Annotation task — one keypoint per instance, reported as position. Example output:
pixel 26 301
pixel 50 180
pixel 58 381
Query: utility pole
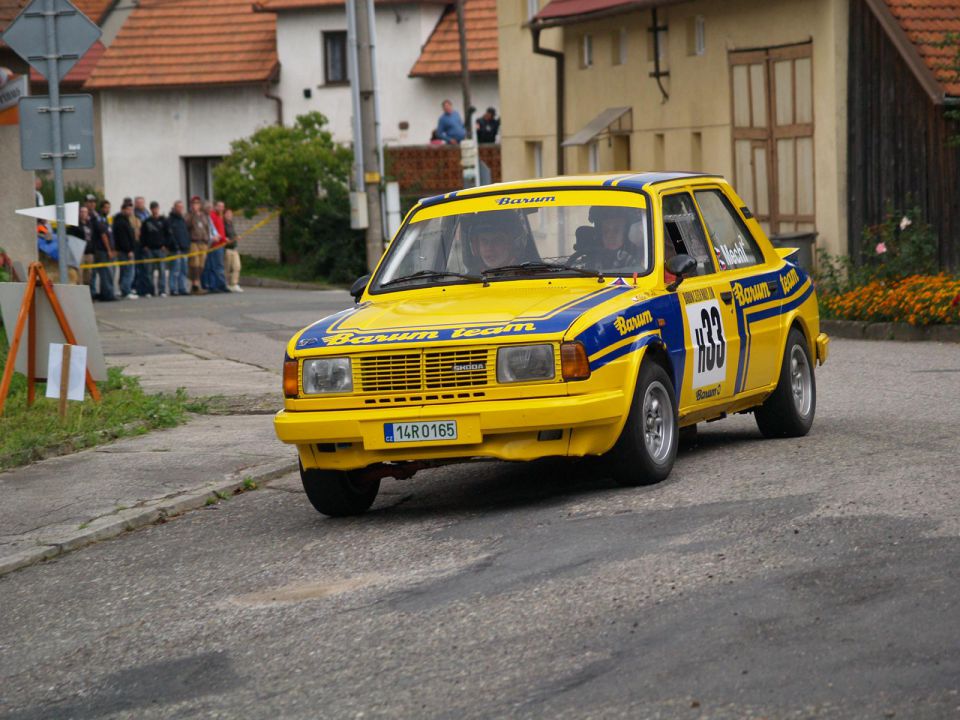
pixel 464 71
pixel 368 144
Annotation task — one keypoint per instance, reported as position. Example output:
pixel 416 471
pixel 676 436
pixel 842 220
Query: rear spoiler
pixel 788 253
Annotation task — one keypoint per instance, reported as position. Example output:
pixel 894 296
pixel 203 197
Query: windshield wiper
pixel 431 275
pixel 541 266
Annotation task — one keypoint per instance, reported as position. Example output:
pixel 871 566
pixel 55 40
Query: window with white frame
pixel 586 52
pixel 696 35
pixel 619 38
pixel 335 58
pixel 533 7
pixel 593 157
pixel 198 174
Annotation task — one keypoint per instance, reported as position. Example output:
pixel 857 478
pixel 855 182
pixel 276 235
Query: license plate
pixel 428 430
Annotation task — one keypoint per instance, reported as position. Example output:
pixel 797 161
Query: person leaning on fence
pixel 198 225
pixel 232 253
pixel 178 242
pixel 450 125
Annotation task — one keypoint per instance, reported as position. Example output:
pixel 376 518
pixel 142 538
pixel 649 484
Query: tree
pixel 301 171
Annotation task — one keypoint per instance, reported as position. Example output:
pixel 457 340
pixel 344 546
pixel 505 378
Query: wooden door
pixel 772 91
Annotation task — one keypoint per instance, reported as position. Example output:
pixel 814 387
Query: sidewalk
pixel 61 504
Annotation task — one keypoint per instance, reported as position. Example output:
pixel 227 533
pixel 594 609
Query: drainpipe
pixel 275 98
pixel 560 82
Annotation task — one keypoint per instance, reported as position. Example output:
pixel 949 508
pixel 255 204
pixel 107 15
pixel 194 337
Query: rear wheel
pixel 338 493
pixel 647 447
pixel 789 411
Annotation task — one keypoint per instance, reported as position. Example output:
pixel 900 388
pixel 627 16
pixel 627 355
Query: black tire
pixel 338 493
pixel 789 411
pixel 633 460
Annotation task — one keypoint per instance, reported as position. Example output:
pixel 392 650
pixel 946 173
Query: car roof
pixel 626 181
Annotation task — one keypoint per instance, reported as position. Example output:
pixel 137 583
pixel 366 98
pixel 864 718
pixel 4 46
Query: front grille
pixel 457 368
pixel 425 370
pixel 391 373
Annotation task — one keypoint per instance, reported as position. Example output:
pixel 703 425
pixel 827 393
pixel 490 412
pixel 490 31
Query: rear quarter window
pixel 732 241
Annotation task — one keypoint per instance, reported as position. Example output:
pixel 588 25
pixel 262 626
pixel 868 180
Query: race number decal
pixel 709 343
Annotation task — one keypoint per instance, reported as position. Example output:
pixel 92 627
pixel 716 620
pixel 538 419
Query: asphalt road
pixel 817 577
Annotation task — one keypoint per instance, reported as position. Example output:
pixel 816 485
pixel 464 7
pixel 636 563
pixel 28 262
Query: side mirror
pixel 359 285
pixel 680 265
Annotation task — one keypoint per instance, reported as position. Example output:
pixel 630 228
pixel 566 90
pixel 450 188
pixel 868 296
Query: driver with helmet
pixel 493 239
pixel 614 247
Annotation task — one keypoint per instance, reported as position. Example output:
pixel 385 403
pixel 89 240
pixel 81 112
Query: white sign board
pixel 49 212
pixel 78 309
pixel 77 372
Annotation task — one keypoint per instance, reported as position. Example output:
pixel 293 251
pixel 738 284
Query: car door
pixel 711 332
pixel 755 287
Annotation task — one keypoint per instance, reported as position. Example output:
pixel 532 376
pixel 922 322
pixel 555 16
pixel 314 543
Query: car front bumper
pixel 504 429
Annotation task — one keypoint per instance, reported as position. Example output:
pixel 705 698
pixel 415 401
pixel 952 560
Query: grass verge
pixel 261 268
pixel 32 433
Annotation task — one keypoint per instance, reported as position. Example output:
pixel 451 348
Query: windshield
pixel 509 243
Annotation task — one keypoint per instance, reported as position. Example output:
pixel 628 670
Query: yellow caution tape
pixel 168 258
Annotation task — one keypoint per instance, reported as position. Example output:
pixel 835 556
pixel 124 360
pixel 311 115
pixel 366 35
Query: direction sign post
pixel 52 35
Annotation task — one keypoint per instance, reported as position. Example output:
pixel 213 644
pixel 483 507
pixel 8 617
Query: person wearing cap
pixel 488 126
pixel 198 225
pixel 153 245
pixel 101 279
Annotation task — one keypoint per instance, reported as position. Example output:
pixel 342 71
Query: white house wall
pixel 147 133
pixel 401 32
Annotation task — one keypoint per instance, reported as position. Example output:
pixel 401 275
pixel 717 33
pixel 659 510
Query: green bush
pixel 900 246
pixel 304 173
pixel 72 192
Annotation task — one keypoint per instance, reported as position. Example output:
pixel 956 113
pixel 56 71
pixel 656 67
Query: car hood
pixel 460 315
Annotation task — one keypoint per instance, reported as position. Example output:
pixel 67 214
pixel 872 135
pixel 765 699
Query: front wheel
pixel 789 411
pixel 647 447
pixel 338 493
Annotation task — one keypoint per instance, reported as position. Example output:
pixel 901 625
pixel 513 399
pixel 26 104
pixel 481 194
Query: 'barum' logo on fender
pixel 628 325
pixel 707 393
pixel 752 294
pixel 789 281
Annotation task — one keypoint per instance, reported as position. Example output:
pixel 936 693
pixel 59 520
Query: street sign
pixel 76 122
pixel 74 32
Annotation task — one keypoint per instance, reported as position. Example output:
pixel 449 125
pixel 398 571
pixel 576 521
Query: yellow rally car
pixel 569 316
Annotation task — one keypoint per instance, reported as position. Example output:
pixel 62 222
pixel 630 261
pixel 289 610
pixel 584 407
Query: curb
pixel 147 513
pixel 860 330
pixel 254 281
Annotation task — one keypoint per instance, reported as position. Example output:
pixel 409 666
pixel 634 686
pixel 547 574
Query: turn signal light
pixel 291 378
pixel 573 361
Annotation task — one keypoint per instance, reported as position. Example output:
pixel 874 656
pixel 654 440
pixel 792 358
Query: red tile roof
pixel 441 53
pixel 9 9
pixel 78 73
pixel 189 43
pixel 93 9
pixel 280 5
pixel 926 23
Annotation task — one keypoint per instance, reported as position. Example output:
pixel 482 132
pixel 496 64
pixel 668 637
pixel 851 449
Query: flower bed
pixel 919 300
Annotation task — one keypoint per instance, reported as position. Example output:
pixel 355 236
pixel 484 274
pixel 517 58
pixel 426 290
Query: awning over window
pixel 600 124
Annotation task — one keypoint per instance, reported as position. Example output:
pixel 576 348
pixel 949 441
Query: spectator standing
pixel 142 272
pixel 488 126
pixel 125 240
pixel 450 125
pixel 37 194
pixel 232 253
pixel 214 278
pixel 198 225
pixel 178 242
pixel 101 280
pixel 153 242
pixel 82 231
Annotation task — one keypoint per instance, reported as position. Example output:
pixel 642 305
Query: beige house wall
pixel 699 87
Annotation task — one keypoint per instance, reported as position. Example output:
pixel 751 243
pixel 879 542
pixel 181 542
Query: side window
pixel 682 232
pixel 733 243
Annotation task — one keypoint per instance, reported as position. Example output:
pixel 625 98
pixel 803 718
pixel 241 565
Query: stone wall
pixel 264 241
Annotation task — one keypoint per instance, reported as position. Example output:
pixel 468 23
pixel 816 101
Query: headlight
pixel 327 375
pixel 524 363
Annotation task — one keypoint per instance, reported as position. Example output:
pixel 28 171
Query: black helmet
pixel 598 213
